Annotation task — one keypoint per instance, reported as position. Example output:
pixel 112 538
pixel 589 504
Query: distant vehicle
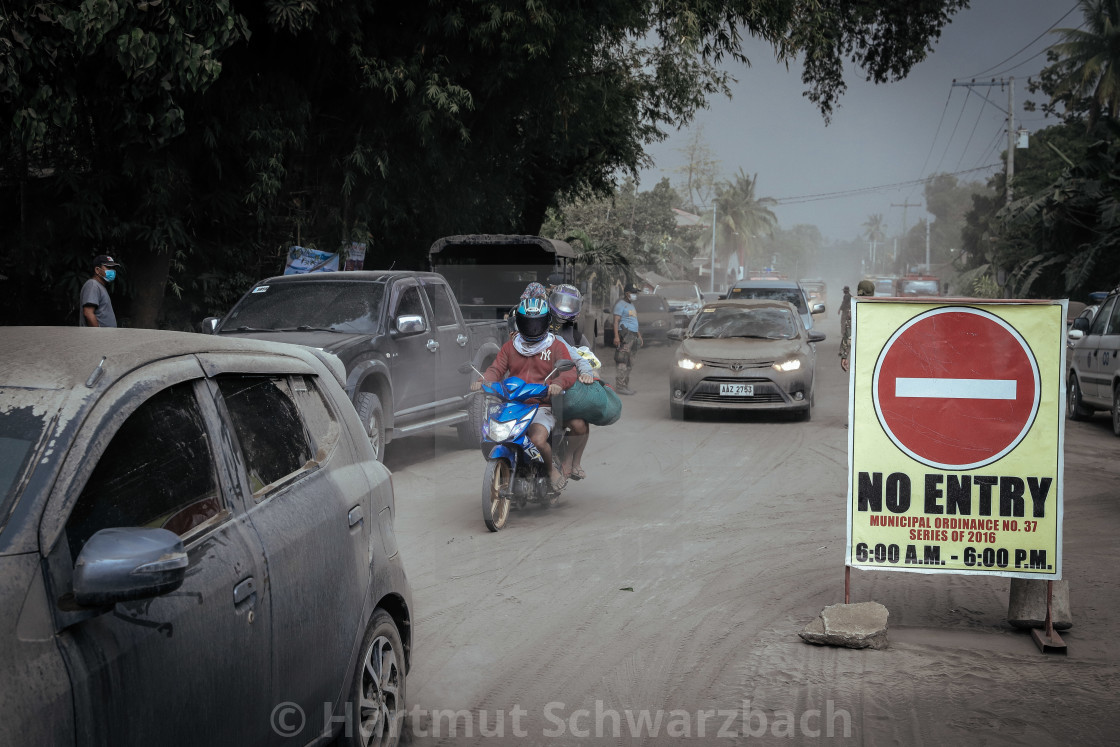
pixel 193 529
pixel 815 289
pixel 1093 381
pixel 744 354
pixel 684 298
pixel 779 290
pixel 655 318
pixel 885 286
pixel 917 285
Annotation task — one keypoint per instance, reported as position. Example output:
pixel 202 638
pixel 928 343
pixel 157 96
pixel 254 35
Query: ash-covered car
pixel 196 546
pixel 745 354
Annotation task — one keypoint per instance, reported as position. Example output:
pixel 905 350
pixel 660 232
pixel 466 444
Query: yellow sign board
pixel 957 414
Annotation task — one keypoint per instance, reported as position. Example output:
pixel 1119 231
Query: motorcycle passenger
pixel 531 355
pixel 565 301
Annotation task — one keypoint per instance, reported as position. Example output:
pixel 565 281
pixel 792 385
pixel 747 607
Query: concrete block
pixel 860 625
pixel 1026 606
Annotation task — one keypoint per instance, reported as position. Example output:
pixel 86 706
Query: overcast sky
pixel 890 134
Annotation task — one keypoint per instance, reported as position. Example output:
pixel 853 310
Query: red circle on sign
pixel 956 388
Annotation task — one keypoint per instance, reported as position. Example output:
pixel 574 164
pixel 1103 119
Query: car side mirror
pixel 818 308
pixel 128 563
pixel 210 324
pixel 1081 324
pixel 816 337
pixel 409 324
pixel 675 334
pixel 1075 334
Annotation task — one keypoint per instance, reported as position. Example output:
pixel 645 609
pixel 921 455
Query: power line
pixel 795 200
pixel 936 132
pixel 1044 33
pixel 945 152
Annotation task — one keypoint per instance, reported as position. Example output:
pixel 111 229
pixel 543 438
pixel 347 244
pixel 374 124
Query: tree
pixel 1088 65
pixel 744 219
pixel 192 139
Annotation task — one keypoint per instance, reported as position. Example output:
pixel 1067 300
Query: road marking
pixel 956 388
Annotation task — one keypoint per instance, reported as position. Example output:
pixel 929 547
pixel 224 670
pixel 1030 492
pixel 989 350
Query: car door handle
pixel 244 591
pixel 433 345
pixel 355 516
pixel 462 340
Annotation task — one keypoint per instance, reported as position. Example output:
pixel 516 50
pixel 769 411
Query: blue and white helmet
pixel 532 319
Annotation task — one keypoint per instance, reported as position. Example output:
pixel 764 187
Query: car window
pixel 793 295
pixel 157 471
pixel 322 425
pixel 272 436
pixel 409 303
pixel 1114 320
pixel 1102 318
pixel 334 305
pixel 442 307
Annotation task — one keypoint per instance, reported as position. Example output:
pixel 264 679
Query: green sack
pixel 596 403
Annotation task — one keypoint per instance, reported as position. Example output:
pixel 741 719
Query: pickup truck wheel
pixel 373 419
pixel 470 432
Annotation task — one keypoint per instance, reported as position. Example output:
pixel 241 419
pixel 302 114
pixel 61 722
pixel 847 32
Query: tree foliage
pixel 198 140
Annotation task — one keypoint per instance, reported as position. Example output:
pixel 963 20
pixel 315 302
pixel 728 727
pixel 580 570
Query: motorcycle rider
pixel 564 302
pixel 531 355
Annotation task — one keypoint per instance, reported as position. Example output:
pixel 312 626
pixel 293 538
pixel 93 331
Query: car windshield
pixel 26 416
pixel 793 295
pixel 647 302
pixel 919 288
pixel 330 305
pixel 732 321
pixel 677 290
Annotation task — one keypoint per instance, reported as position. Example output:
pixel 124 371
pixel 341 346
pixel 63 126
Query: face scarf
pixel 531 349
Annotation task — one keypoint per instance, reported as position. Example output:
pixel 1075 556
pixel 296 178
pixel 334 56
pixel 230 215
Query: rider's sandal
pixel 558 485
pixel 577 474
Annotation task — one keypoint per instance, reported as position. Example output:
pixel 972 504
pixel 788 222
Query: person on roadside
pixel 531 355
pixel 564 303
pixel 627 339
pixel 96 305
pixel 865 288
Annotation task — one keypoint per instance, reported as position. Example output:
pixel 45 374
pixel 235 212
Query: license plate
pixel 736 390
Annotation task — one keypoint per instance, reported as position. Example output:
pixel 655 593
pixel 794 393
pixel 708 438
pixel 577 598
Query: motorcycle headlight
pixel 689 364
pixel 500 430
pixel 791 365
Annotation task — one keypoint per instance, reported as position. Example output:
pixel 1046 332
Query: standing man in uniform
pixel 627 339
pixel 96 306
pixel 865 288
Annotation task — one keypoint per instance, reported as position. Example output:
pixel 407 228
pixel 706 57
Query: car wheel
pixel 377 699
pixel 1075 407
pixel 470 432
pixel 373 418
pixel 495 482
pixel 1116 410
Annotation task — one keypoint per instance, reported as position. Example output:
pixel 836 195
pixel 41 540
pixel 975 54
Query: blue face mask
pixel 110 275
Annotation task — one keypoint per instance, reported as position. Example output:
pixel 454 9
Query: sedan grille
pixel 737 365
pixel 765 391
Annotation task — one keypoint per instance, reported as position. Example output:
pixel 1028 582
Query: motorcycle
pixel 516 473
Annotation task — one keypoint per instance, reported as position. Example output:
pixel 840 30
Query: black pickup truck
pixel 400 335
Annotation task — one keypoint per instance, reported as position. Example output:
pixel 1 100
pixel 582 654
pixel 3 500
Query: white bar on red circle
pixel 956 388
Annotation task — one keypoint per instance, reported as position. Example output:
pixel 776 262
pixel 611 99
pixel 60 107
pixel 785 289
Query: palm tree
pixel 876 234
pixel 1089 59
pixel 742 216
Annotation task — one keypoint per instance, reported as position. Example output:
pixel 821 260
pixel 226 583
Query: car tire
pixel 1116 410
pixel 372 416
pixel 1075 406
pixel 470 432
pixel 377 696
pixel 495 507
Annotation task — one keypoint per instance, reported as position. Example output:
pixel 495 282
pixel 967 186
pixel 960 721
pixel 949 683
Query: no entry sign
pixel 956 417
pixel 956 388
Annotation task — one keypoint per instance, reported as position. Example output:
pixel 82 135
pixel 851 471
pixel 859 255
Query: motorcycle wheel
pixel 495 482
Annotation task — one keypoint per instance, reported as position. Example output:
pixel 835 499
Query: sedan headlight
pixel 499 431
pixel 791 365
pixel 689 364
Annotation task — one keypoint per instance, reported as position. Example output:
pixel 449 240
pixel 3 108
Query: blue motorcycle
pixel 516 472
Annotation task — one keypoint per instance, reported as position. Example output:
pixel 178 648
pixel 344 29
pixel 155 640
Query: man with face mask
pixel 627 339
pixel 97 307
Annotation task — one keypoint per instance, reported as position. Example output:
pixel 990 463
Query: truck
pixel 400 335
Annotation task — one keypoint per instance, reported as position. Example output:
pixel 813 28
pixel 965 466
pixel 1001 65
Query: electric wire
pixel 954 132
pixel 964 151
pixel 1027 46
pixel 799 199
pixel 936 132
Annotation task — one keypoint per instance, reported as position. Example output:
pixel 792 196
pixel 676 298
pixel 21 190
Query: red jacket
pixel 532 369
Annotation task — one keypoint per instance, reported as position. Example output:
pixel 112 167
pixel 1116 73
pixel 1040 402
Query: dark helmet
pixel 565 301
pixel 532 318
pixel 865 288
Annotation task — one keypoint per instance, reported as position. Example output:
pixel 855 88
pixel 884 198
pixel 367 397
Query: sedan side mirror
pixel 123 564
pixel 1075 334
pixel 816 336
pixel 675 334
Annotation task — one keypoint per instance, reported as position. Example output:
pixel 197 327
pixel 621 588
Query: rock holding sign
pixel 860 625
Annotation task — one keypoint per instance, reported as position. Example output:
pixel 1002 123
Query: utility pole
pixel 1011 134
pixel 903 205
pixel 927 248
pixel 712 286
